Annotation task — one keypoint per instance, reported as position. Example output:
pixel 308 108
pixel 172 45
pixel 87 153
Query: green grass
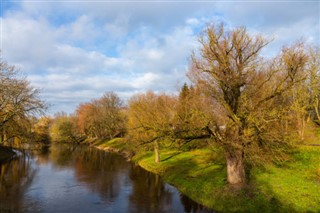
pixel 119 145
pixel 201 175
pixel 297 184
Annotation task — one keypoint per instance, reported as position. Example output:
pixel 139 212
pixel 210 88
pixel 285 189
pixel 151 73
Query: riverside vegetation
pixel 241 137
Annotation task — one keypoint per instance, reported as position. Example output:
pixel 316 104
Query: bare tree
pixel 18 99
pixel 250 91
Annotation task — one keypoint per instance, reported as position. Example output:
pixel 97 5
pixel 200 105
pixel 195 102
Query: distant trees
pixel 63 128
pixel 100 118
pixel 108 119
pixel 18 102
pixel 84 120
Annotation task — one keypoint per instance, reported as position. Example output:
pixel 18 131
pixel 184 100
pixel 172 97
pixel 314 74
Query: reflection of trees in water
pixel 100 171
pixel 191 206
pixel 188 206
pixel 61 155
pixel 15 178
pixel 105 174
pixel 42 154
pixel 148 192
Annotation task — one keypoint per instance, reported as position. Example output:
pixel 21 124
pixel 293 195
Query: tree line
pixel 100 118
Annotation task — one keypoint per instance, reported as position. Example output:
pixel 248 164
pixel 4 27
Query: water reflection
pixel 68 178
pixel 15 177
pixel 153 196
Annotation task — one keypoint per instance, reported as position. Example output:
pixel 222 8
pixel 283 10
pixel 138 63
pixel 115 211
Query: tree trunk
pixel 156 152
pixel 235 168
pixel 302 126
pixel 316 108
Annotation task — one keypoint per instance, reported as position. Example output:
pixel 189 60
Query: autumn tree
pixel 192 116
pixel 18 101
pixel 85 116
pixel 102 118
pixel 41 130
pixel 151 119
pixel 63 128
pixel 17 131
pixel 249 92
pixel 109 120
pixel 294 58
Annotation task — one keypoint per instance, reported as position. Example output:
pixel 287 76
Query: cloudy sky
pixel 75 51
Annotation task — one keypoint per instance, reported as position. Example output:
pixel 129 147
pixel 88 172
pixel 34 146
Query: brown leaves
pixel 151 116
pixel 102 118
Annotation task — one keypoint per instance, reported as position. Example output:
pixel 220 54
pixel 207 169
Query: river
pixel 68 178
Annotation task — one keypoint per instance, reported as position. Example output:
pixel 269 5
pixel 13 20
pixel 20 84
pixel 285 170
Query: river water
pixel 66 178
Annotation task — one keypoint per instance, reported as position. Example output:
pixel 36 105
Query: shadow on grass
pixel 205 183
pixel 265 201
pixel 141 156
pixel 171 156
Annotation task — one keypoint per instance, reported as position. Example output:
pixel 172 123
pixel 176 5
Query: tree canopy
pixel 19 101
pixel 256 94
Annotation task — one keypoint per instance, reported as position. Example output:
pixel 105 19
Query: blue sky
pixel 75 51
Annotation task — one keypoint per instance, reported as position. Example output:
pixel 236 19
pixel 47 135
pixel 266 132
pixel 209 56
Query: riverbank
pixel 6 154
pixel 117 145
pixel 201 175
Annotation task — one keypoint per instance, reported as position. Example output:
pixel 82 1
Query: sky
pixel 74 51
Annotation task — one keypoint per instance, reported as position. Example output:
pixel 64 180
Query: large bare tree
pixel 252 94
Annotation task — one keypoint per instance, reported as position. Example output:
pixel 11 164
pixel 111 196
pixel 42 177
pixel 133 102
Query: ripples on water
pixel 68 178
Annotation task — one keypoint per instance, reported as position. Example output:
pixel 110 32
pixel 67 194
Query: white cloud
pixel 146 81
pixel 118 28
pixel 289 20
pixel 193 21
pixel 25 39
pixel 82 29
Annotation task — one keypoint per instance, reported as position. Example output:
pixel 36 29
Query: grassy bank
pixel 201 175
pixel 118 145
